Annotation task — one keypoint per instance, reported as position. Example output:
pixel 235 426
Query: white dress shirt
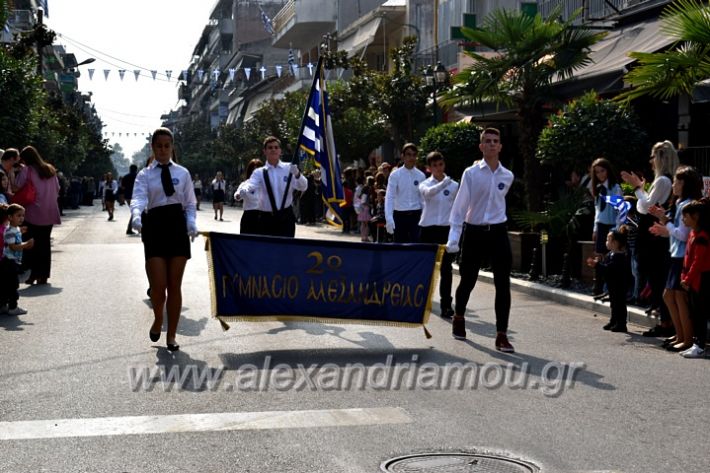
pixel 250 198
pixel 219 185
pixel 481 197
pixel 658 194
pixel 403 191
pixel 438 198
pixel 278 176
pixel 148 191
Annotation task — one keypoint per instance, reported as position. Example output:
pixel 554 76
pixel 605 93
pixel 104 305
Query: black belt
pixel 486 228
pixel 408 212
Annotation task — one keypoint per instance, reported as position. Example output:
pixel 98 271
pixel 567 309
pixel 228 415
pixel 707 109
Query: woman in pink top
pixel 41 215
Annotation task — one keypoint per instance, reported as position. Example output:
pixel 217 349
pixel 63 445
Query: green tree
pixel 588 128
pixel 531 51
pixel 677 71
pixel 401 95
pixel 458 142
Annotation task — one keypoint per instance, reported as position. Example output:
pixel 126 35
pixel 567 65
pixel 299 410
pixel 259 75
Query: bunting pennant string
pixel 106 73
pixel 278 71
pixel 153 73
pixel 168 74
pixel 247 72
pixel 137 74
pixel 121 73
pixel 91 74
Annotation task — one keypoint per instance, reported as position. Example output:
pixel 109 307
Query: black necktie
pixel 166 179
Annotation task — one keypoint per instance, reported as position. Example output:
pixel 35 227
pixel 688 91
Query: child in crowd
pixel 379 218
pixel 616 271
pixel 695 276
pixel 12 259
pixel 4 188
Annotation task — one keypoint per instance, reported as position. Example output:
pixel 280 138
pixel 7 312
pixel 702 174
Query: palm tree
pixel 532 52
pixel 677 71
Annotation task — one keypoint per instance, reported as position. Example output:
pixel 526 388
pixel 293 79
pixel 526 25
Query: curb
pixel 636 314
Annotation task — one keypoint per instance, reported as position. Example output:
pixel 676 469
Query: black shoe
pixel 128 232
pixel 148 292
pixel 154 337
pixel 619 328
pixel 447 313
pixel 458 327
pixel 608 326
pixel 669 341
pixel 657 331
pixel 173 346
pixel 600 295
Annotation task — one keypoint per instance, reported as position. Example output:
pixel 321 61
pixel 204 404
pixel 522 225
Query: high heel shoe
pixel 30 280
pixel 173 346
pixel 154 337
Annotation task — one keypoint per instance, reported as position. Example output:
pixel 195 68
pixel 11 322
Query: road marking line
pixel 107 426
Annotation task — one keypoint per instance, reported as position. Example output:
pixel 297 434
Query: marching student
pixel 403 202
pixel 250 216
pixel 219 186
pixel 438 194
pixel 479 214
pixel 276 181
pixel 164 190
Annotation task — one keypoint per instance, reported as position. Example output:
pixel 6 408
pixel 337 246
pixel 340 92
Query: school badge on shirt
pixel 501 186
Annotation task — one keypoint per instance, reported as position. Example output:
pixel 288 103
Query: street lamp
pixel 436 77
pixel 82 63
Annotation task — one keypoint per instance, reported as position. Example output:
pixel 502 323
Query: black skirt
pixel 164 232
pixel 218 196
pixel 250 223
pixel 109 196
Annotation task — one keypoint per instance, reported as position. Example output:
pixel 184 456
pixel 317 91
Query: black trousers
pixel 281 223
pixel 9 282
pixel 39 258
pixel 406 226
pixel 439 235
pixel 619 312
pixel 250 222
pixel 699 306
pixel 481 243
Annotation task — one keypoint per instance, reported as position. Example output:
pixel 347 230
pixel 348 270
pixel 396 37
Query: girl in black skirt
pixel 164 191
pixel 250 218
pixel 219 186
pixel 110 189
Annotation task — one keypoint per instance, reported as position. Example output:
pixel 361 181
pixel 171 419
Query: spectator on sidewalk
pixel 615 269
pixel 603 184
pixel 12 259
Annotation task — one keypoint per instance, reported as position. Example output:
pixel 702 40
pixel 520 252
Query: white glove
pixel 192 230
pixel 137 223
pixel 389 226
pixel 452 247
pixel 295 171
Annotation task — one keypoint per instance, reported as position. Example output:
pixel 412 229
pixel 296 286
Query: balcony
pixel 302 23
pixel 21 20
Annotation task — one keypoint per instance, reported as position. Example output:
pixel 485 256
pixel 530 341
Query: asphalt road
pixel 72 400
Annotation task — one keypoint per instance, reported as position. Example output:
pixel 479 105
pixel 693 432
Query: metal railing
pixel 698 157
pixel 591 9
pixel 284 16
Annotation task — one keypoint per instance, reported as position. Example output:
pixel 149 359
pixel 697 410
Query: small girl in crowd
pixel 616 270
pixel 4 187
pixel 695 276
pixel 12 259
pixel 603 183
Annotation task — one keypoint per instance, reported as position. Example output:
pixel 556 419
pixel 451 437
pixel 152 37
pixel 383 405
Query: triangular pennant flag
pixel 310 67
pixel 153 73
pixel 247 72
pixel 106 73
pixel 215 74
pixel 232 71
pixel 113 133
pixel 121 73
pixel 136 73
pixel 135 134
pixel 294 69
pixel 262 69
pixel 168 74
pixel 200 74
pixel 184 75
pixel 91 74
pixel 278 70
pixel 119 133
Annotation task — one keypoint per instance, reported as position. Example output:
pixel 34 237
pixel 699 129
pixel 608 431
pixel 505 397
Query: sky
pixel 130 34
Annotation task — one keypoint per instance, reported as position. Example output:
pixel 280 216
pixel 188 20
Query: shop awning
pixel 361 37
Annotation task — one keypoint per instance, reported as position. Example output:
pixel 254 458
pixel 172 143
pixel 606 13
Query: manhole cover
pixel 457 462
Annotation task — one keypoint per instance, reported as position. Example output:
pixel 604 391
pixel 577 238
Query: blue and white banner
pixel 621 206
pixel 258 278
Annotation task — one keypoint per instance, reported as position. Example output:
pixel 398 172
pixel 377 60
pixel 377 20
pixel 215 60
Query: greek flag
pixel 45 6
pixel 621 206
pixel 316 140
pixel 268 25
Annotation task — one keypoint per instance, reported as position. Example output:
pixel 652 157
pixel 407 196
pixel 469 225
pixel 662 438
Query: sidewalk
pixel 561 296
